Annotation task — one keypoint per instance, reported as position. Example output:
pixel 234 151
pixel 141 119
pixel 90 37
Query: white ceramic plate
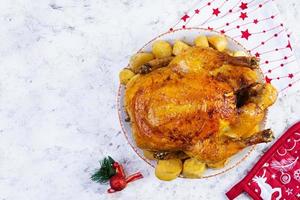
pixel 187 35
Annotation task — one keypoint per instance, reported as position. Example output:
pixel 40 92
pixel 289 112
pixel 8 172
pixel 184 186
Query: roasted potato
pixel 148 154
pixel 168 170
pixel 125 75
pixel 217 165
pixel 179 47
pixel 218 42
pixel 193 168
pixel 240 53
pixel 138 59
pixel 161 49
pixel 201 41
pixel 268 97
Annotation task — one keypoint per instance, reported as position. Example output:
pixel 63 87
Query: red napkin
pixel 277 174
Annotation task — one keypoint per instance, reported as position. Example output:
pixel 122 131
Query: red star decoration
pixel 243 6
pixel 268 80
pixel 216 11
pixel 289 45
pixel 185 17
pixel 291 76
pixel 255 21
pixel 246 34
pixel 257 55
pixel 197 11
pixel 243 16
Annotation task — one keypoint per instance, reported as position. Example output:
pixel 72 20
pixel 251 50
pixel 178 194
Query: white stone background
pixel 59 64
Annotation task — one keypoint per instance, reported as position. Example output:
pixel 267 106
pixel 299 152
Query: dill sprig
pixel 106 171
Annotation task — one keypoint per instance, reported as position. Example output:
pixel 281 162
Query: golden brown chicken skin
pixel 205 103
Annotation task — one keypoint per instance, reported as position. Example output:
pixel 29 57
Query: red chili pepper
pixel 119 169
pixel 119 181
pixel 134 177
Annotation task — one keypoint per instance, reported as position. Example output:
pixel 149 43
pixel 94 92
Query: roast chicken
pixel 203 104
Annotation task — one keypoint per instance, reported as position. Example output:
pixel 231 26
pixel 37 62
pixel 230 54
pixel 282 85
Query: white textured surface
pixel 59 64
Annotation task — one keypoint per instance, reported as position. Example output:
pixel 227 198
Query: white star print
pixel 256 190
pixel 266 165
pixel 273 176
pixel 289 191
pixel 298 195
